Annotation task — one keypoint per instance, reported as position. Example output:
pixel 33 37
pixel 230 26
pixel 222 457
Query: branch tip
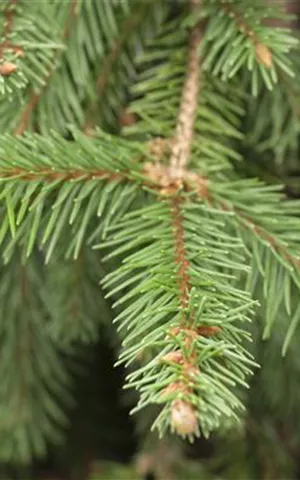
pixel 183 418
pixel 263 54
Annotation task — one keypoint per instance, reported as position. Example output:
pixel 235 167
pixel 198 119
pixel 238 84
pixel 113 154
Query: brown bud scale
pixel 7 69
pixel 183 418
pixel 263 54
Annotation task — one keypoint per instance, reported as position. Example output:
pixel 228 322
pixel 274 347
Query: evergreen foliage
pixel 125 127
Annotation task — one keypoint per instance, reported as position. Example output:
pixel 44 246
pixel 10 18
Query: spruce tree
pixel 148 198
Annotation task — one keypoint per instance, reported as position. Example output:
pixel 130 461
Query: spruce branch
pixel 24 59
pixel 267 224
pixel 262 51
pixel 85 33
pixel 214 115
pixel 178 385
pixel 175 220
pixel 95 180
pixel 34 97
pixel 128 28
pixel 166 320
pixel 282 123
pixel 202 184
pixel 270 242
pixel 259 48
pixel 8 67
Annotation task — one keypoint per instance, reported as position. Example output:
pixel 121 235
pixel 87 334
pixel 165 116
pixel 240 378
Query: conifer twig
pixel 188 106
pixel 183 264
pixel 158 178
pixel 257 229
pixel 8 20
pixel 262 51
pixel 50 175
pixel 35 97
pixel 8 23
pixel 183 414
pixel 267 237
pixel 108 63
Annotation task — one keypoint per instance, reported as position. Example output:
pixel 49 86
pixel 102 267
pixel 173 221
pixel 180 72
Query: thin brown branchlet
pixel 262 52
pixel 7 67
pixel 8 24
pixel 35 96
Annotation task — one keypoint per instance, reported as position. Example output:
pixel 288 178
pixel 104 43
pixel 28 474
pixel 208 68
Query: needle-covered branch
pixel 182 313
pixel 28 48
pixel 54 186
pixel 237 37
pixel 204 113
pixel 191 243
pixel 86 49
pixel 141 21
pixel 268 225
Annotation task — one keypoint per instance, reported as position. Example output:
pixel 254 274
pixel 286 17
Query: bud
pixel 183 418
pixel 19 52
pixel 127 118
pixel 175 387
pixel 208 331
pixel 263 54
pixel 173 331
pixel 7 68
pixel 173 357
pixel 190 371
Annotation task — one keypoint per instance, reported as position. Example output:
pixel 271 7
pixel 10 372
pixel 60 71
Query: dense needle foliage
pixel 145 158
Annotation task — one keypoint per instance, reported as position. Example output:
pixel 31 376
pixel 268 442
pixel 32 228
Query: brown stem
pixel 248 222
pixel 262 233
pixel 182 272
pixel 8 16
pixel 180 252
pixel 156 177
pixel 188 106
pixel 47 174
pixel 183 415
